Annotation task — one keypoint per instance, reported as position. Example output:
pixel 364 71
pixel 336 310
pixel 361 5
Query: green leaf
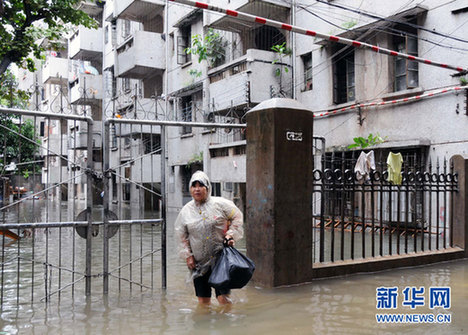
pixel 19 31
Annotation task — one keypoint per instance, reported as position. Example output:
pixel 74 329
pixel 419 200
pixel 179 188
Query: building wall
pixel 437 123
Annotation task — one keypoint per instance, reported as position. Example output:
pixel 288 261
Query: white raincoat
pixel 200 228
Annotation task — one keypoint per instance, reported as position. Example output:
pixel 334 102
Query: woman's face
pixel 198 192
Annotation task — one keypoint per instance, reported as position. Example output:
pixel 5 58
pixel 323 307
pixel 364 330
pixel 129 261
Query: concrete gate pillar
pixel 279 192
pixel 460 204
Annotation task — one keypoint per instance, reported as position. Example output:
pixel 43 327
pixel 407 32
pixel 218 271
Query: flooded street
pixel 345 305
pixel 330 306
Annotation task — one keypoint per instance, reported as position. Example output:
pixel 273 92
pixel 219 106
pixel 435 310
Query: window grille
pixel 343 78
pixel 406 71
pixel 183 42
pixel 307 62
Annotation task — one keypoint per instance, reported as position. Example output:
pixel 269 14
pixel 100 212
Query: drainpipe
pixel 163 160
pixel 89 206
pixel 106 176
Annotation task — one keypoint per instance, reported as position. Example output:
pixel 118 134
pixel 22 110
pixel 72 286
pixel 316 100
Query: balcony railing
pixel 249 79
pixel 86 89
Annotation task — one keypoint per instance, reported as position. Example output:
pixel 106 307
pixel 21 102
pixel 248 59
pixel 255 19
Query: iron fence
pixel 356 218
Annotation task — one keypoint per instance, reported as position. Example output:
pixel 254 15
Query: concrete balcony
pixel 86 44
pixel 122 130
pixel 142 55
pixel 138 10
pixel 55 71
pixel 93 9
pixel 248 79
pixel 86 89
pixel 54 174
pixel 146 169
pixel 79 139
pixel 273 9
pixel 54 145
pixel 146 110
pixel 230 167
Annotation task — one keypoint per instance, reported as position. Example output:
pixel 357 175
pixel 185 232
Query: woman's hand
pixel 229 240
pixel 191 262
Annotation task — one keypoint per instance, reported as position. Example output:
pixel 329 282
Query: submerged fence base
pixel 380 263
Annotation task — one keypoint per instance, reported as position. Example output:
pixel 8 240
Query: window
pixel 219 152
pixel 114 32
pixel 114 186
pixel 106 35
pixel 406 71
pixel 187 107
pixel 126 192
pixel 152 143
pixel 125 28
pixel 171 44
pixel 343 77
pixel 228 187
pixel 42 128
pixel 183 42
pixel 186 173
pixel 126 85
pixel 307 63
pixel 239 150
pixel 264 37
pixel 216 189
pixel 172 180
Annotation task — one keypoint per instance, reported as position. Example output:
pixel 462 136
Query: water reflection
pixel 336 305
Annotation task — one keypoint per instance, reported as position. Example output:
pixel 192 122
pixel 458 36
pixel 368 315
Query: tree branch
pixel 5 62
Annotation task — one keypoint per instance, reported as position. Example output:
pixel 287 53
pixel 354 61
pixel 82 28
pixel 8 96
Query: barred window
pixel 343 77
pixel 405 70
pixel 307 63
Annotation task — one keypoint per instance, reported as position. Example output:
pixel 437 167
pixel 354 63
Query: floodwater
pixel 329 306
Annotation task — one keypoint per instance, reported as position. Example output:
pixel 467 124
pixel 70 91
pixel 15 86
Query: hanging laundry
pixel 364 165
pixel 394 162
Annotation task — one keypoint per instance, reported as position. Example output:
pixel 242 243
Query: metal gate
pixel 65 233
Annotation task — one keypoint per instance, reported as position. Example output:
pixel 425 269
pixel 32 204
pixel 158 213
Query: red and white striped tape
pixel 389 102
pixel 296 29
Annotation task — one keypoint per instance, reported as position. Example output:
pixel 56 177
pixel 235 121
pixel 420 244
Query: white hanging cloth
pixel 364 165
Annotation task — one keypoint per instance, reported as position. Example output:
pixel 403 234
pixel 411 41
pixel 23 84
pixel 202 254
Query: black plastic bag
pixel 232 270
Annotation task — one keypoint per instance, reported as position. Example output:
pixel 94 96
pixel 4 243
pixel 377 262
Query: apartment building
pixel 421 124
pixel 146 59
pixel 139 67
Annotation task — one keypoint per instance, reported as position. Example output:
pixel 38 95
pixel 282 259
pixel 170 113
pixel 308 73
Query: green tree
pixel 10 95
pixel 16 140
pixel 17 143
pixel 282 52
pixel 210 48
pixel 23 22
